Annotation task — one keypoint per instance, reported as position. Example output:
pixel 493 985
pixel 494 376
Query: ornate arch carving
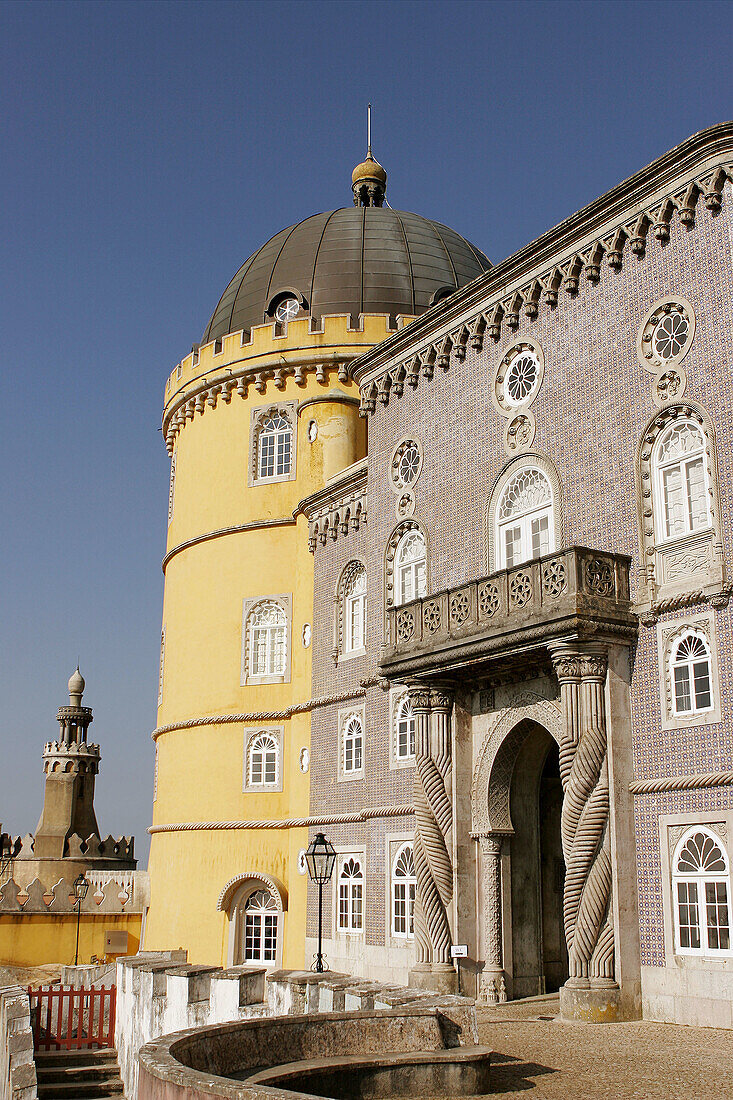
pixel 273 886
pixel 493 772
pixel 526 459
pixel 346 577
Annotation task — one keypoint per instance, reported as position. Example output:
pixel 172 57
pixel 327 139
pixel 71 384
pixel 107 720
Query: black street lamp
pixel 320 858
pixel 81 887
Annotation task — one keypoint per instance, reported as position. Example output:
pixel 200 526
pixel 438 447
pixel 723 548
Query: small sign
pixel 459 951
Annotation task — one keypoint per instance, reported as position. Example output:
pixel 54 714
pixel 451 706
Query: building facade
pixel 508 696
pixel 543 771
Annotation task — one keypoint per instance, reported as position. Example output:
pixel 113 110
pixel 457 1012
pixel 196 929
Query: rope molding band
pixel 269 715
pixel 287 823
pixel 682 782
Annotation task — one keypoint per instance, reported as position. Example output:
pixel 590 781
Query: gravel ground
pixel 536 1053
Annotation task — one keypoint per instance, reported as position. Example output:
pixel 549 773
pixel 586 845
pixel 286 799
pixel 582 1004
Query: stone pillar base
pixel 590 1006
pixel 436 976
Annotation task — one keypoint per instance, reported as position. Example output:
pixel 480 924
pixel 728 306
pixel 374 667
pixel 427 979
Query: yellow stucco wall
pixel 200 770
pixel 35 939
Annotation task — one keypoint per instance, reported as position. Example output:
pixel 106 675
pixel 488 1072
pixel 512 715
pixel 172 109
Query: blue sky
pixel 147 149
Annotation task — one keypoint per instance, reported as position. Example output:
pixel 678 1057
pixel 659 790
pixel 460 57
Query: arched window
pixel 267 640
pixel 404 885
pixel 259 928
pixel 681 483
pixel 525 526
pixel 353 609
pixel 410 572
pixel 700 890
pixel 352 737
pixel 351 896
pixel 404 729
pixel 690 672
pixel 274 446
pixel 263 761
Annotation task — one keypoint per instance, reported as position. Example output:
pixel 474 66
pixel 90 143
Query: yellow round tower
pixel 256 418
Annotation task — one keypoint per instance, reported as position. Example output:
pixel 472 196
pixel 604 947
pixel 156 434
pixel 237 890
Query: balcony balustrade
pixel 578 592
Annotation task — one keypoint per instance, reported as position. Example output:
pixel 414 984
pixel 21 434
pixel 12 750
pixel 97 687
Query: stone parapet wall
pixel 17 1068
pixel 160 993
pixel 112 897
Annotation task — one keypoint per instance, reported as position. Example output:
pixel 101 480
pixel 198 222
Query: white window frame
pixel 275 673
pixel 690 665
pixel 260 417
pixel 524 521
pixel 275 734
pixel 347 718
pixel 409 883
pixel 670 633
pixel 700 881
pixel 409 571
pixel 659 468
pixel 397 703
pixel 346 891
pixel 346 645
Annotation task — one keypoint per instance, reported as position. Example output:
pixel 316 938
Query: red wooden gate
pixel 66 1019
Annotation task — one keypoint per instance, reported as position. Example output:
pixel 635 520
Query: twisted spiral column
pixel 586 843
pixel 433 826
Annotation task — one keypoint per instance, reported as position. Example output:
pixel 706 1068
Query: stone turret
pixel 70 765
pixel 67 839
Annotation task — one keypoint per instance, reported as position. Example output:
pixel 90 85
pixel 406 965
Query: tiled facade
pixel 591 413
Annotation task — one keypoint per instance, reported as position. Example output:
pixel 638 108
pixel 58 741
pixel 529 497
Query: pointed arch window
pixel 404 887
pixel 691 674
pixel 351 896
pixel 525 526
pixel 701 892
pixel 410 567
pixel 682 489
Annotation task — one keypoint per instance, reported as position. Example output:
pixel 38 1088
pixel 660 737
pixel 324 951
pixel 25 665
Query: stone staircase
pixel 83 1074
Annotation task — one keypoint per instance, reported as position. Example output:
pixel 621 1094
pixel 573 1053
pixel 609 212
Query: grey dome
pixel 364 259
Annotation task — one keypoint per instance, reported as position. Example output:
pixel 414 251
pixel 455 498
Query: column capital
pixel 420 698
pixel 441 698
pixel 576 661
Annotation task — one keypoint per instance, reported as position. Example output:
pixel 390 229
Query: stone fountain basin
pixel 371 1054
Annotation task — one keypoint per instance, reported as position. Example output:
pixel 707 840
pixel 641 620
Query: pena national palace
pixel 447 588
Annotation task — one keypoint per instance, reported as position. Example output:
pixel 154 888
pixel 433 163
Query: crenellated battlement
pixel 129 894
pixel 75 847
pixel 269 354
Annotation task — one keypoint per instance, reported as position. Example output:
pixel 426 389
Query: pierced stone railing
pixel 574 590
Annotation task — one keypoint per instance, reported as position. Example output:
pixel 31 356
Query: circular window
pixel 518 376
pixel 406 463
pixel 670 336
pixel 666 334
pixel 287 309
pixel 521 378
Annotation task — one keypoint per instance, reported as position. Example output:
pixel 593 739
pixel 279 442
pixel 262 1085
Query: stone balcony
pixel 497 623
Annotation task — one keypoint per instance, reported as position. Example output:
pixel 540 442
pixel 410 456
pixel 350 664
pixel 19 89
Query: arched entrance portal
pixel 539 961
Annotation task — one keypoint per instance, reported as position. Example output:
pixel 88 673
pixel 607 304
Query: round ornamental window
pixel 406 463
pixel 287 309
pixel 670 336
pixel 521 378
pixel 666 334
pixel 518 376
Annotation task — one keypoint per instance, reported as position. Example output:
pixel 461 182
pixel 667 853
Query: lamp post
pixel 81 887
pixel 320 858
